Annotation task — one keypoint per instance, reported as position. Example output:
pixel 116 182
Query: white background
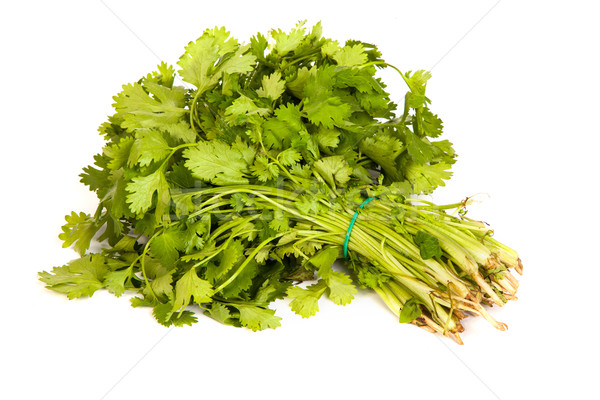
pixel 518 92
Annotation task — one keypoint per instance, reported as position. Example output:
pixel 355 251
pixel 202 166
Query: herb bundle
pixel 276 159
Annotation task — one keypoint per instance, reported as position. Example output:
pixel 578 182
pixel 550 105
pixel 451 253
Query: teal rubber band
pixel 352 221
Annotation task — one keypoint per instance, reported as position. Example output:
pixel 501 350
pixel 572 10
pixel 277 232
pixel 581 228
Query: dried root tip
pixel 507 286
pixel 512 279
pixel 492 262
pixel 498 325
pixel 487 289
pixel 519 267
pixel 460 315
pixel 426 323
pixel 457 338
pixel 423 324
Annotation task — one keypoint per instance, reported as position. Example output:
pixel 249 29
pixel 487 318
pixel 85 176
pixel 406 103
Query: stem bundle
pixel 472 271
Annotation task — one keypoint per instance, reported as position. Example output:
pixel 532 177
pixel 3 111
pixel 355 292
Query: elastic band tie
pixel 352 221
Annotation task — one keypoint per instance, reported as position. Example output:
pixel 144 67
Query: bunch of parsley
pixel 232 180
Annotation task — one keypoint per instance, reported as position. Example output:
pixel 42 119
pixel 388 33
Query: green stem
pixel 246 262
pixel 143 265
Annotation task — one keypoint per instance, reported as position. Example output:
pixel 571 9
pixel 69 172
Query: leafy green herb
pixel 230 192
pixel 429 246
pixel 410 311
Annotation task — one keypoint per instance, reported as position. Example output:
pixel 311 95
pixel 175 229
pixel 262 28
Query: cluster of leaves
pixel 179 208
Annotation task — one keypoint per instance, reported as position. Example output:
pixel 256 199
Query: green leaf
pixel 164 75
pixel 324 259
pixel 334 169
pixel 217 162
pixel 190 285
pixel 272 289
pixel 308 204
pixel 141 193
pixel 330 47
pixel 362 79
pixel 214 54
pixel 289 156
pixel 350 56
pixel 194 236
pixel 321 105
pixel 328 137
pixel 243 281
pixel 297 84
pixel 287 42
pixel 327 110
pixel 161 279
pixel 425 178
pixel 263 169
pixel 150 146
pixel 115 281
pixel 285 126
pixel 79 229
pixel 280 222
pixel 432 124
pixel 418 148
pixel 79 278
pixel 95 178
pixel 384 150
pixel 184 318
pixel 417 81
pixel 258 45
pixel 305 301
pixel 429 245
pixel 341 289
pixel 181 131
pixel 272 86
pixel 162 313
pixel 257 318
pixel 166 246
pixel 219 312
pixel 242 109
pixel 118 153
pixel 248 152
pixel 165 316
pixel 227 259
pixel 263 254
pixel 410 311
pixel 149 105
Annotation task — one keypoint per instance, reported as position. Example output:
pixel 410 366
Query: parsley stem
pixel 143 265
pixel 246 262
pixel 385 64
pixel 193 108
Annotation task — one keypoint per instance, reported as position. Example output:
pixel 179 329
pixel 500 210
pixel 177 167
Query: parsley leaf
pixel 188 286
pixel 257 318
pixel 150 146
pixel 214 54
pixel 425 178
pixel 272 86
pixel 79 278
pixel 334 169
pixel 79 229
pixel 149 105
pixel 305 301
pixel 141 192
pixel 410 311
pixel 429 246
pixel 350 55
pixel 216 162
